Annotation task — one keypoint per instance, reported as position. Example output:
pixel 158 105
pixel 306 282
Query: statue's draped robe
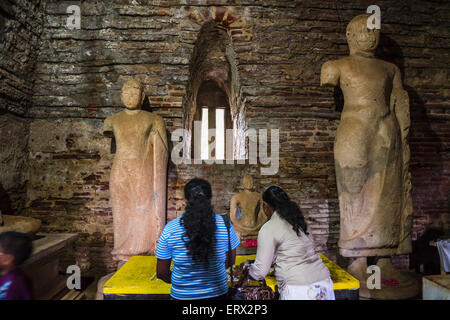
pixel 137 182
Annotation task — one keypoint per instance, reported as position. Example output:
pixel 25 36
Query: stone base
pixel 43 266
pixel 395 285
pixel 101 282
pixel 356 253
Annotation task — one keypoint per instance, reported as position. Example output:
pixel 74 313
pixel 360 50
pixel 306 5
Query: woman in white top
pixel 284 242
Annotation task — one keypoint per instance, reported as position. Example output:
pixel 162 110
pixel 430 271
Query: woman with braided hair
pixel 285 242
pixel 197 243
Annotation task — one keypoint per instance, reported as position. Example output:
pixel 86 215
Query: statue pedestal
pixel 395 285
pixel 43 266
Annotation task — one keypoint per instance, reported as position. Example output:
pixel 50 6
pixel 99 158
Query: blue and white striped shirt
pixel 191 280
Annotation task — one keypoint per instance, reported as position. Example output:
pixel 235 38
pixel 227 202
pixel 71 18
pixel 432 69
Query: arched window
pixel 213 111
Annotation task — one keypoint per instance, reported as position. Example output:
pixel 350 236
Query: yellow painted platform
pixel 138 276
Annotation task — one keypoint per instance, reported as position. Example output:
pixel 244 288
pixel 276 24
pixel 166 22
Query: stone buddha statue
pixel 372 162
pixel 246 212
pixel 138 175
pixel 22 224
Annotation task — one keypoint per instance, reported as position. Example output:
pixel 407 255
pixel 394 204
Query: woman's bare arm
pixel 163 269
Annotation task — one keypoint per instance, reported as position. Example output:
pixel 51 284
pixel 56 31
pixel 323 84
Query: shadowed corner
pixel 5 202
pixel 424 258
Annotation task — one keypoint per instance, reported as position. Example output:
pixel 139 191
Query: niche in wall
pixel 214 86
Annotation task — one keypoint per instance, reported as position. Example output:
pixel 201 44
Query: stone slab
pixel 48 244
pixel 436 287
pixel 43 266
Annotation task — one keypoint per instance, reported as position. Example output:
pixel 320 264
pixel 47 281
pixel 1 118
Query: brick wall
pixel 279 48
pixel 13 164
pixel 21 24
pixel 20 27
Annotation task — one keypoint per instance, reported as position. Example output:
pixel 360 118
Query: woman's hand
pixel 163 269
pixel 245 266
pixel 241 272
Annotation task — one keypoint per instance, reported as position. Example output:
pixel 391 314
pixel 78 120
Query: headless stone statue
pixel 138 175
pixel 26 225
pixel 246 212
pixel 372 160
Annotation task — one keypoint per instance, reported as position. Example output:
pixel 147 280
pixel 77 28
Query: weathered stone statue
pixel 138 175
pixel 246 212
pixel 26 225
pixel 372 161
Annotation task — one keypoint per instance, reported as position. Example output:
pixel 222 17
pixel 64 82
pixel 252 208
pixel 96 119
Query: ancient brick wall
pixel 279 47
pixel 21 23
pixel 13 164
pixel 20 27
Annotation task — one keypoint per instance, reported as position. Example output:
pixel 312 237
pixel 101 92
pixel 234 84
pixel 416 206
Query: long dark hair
pixel 199 221
pixel 287 209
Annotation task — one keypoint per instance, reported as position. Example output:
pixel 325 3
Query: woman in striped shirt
pixel 197 243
